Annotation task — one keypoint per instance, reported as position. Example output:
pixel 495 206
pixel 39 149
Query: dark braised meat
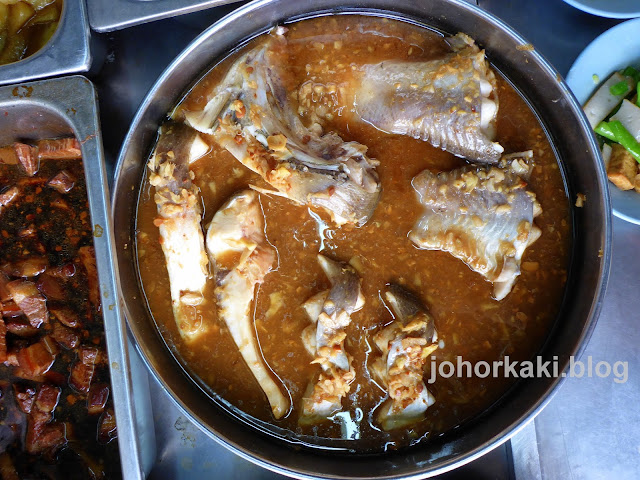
pixel 29 300
pixel 88 260
pixel 65 336
pixel 107 429
pixel 51 287
pixel 8 196
pixel 34 360
pixel 56 417
pixel 30 267
pixel 3 341
pixel 43 434
pixel 62 182
pixel 82 371
pixel 66 316
pixel 18 325
pixel 24 395
pixel 59 149
pixel 28 158
pixel 97 398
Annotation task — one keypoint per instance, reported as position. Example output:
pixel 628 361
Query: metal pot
pixel 580 162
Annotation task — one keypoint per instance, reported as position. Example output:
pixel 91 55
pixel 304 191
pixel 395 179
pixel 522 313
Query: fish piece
pixel 242 257
pixel 179 223
pixel 5 294
pixel 482 215
pixel 249 113
pixel 450 102
pixel 331 313
pixel 313 307
pixel 405 345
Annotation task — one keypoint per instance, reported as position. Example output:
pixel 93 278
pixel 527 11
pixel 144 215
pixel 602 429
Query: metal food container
pixel 66 52
pixel 579 160
pixel 63 107
pixel 109 15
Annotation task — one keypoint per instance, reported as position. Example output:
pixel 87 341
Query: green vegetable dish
pixel 614 113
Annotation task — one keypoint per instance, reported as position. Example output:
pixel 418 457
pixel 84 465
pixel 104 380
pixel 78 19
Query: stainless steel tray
pixel 68 106
pixel 66 52
pixel 109 15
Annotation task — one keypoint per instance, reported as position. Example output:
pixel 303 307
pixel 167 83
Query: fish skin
pixel 238 227
pixel 439 101
pixel 249 114
pixel 482 215
pixel 179 223
pixel 404 347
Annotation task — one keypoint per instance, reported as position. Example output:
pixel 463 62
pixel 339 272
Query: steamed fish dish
pixel 337 208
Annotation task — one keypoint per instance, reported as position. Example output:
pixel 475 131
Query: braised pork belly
pixel 54 374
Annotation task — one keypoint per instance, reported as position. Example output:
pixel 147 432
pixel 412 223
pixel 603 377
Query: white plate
pixel 614 50
pixel 608 8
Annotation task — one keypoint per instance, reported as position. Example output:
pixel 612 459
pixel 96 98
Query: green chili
pixel 625 139
pixel 619 88
pixel 604 129
pixel 631 72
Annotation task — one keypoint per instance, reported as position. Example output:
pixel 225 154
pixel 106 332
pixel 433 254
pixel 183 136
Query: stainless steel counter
pixel 591 429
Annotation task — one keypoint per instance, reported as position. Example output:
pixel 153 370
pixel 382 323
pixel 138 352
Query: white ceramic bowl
pixel 614 50
pixel 608 8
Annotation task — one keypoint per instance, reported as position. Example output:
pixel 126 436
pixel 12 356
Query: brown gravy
pixel 469 322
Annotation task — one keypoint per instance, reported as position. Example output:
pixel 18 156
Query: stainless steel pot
pixel 575 145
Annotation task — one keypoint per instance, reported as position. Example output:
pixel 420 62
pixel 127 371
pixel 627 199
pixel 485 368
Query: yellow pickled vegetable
pixel 20 14
pixel 26 26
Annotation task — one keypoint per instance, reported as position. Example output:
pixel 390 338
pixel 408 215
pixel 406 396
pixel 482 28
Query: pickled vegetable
pixel 26 26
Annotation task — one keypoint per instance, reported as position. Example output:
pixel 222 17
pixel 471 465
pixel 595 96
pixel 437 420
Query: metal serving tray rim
pixel 81 115
pixel 110 15
pixel 66 52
